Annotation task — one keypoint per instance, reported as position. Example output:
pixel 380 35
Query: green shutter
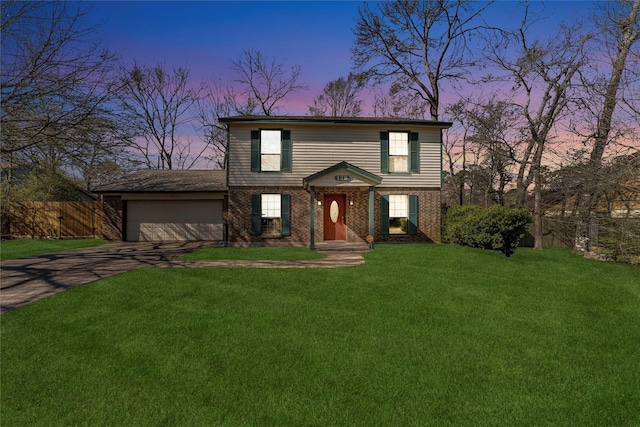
pixel 256 214
pixel 414 152
pixel 255 151
pixel 412 226
pixel 384 151
pixel 384 214
pixel 285 159
pixel 285 212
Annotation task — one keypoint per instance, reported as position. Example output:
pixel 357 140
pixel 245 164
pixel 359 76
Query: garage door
pixel 158 220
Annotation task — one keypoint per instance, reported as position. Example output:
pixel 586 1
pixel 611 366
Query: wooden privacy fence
pixel 557 233
pixel 55 219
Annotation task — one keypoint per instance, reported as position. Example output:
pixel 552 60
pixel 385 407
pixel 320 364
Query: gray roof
pixel 168 181
pixel 335 120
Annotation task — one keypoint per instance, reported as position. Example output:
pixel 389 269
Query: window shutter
pixel 255 151
pixel 412 226
pixel 414 146
pixel 285 165
pixel 285 212
pixel 384 151
pixel 256 214
pixel 384 214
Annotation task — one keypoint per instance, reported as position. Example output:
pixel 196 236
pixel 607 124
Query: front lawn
pixel 418 335
pixel 20 248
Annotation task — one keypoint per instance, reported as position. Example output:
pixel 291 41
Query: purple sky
pixel 206 36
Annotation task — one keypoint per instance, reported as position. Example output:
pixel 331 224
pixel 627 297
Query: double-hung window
pixel 399 213
pixel 270 214
pixel 270 150
pixel 399 152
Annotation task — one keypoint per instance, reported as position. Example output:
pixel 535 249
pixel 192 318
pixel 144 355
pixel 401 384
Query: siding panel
pixel 317 147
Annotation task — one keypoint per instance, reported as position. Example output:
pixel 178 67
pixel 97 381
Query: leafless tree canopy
pixel 620 31
pixel 339 98
pixel 417 44
pixel 264 83
pixel 399 103
pixel 160 103
pixel 57 88
pixel 214 103
pixel 53 79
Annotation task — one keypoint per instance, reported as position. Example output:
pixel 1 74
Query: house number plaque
pixel 343 178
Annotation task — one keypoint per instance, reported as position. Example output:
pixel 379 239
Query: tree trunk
pixel 628 36
pixel 537 211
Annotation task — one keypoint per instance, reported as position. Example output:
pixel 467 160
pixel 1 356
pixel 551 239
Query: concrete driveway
pixel 29 279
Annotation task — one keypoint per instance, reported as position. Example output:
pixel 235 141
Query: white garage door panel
pixel 156 220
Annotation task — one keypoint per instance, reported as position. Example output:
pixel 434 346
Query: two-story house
pixel 304 180
pixel 293 181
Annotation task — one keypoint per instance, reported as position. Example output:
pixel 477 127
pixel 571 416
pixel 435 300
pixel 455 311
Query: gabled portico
pixel 341 176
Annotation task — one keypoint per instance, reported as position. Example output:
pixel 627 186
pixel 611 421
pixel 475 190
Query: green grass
pixel 20 248
pixel 253 253
pixel 418 335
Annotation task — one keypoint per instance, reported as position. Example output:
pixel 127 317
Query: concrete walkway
pixel 29 279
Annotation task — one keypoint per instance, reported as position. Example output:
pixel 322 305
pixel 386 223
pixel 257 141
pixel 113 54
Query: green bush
pixel 497 227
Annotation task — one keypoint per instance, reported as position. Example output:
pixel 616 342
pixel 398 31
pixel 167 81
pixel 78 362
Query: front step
pixel 342 246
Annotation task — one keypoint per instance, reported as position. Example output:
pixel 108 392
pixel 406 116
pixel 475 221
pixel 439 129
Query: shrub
pixel 497 227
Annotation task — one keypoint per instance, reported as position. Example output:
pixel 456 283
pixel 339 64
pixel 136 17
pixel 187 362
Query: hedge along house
pixel 306 180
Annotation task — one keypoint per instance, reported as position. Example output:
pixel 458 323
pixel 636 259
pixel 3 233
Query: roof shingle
pixel 168 181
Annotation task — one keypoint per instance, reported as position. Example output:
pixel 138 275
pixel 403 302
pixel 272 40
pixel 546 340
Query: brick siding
pixel 238 216
pixel 429 215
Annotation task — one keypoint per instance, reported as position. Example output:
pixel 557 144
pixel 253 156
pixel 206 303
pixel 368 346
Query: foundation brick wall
pixel 238 216
pixel 112 208
pixel 429 215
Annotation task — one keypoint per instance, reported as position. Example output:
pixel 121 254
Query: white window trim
pixel 399 148
pixel 271 145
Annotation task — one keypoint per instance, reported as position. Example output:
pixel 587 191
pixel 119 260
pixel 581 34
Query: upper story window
pixel 399 152
pixel 270 150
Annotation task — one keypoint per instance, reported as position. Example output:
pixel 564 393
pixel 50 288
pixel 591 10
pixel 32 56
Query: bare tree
pixel 492 127
pixel 160 103
pixel 400 103
pixel 339 98
pixel 101 155
pixel 480 152
pixel 214 104
pixel 620 31
pixel 417 44
pixel 264 82
pixel 541 74
pixel 53 77
pixel 56 83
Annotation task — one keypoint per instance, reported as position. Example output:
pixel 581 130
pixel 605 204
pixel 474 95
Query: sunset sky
pixel 206 36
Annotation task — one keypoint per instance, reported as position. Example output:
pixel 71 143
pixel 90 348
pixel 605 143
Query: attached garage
pixel 166 205
pixel 162 220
